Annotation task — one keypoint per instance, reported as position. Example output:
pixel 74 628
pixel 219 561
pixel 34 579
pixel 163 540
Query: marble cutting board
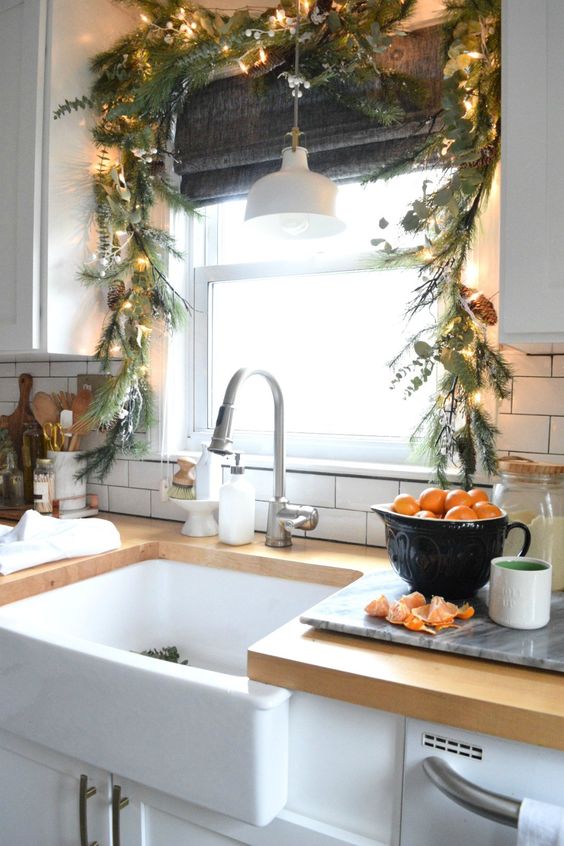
pixel 479 637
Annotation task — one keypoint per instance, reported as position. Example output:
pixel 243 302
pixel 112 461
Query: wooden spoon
pixel 45 409
pixel 80 406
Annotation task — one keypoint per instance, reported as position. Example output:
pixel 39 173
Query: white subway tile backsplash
pixel 9 390
pixel 101 492
pixel 67 368
pixel 147 474
pixel 413 488
pixel 261 480
pixel 523 432
pixel 130 501
pixel 34 368
pixel 341 525
pixel 531 424
pixel 94 366
pixel 538 396
pixel 527 365
pixel 558 365
pixel 311 489
pixel 557 434
pixel 261 515
pixel 169 510
pixel 505 405
pixel 375 530
pixel 118 475
pixel 360 494
pixel 50 384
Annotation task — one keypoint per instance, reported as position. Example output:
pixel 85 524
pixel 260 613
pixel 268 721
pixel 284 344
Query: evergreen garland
pixel 466 144
pixel 140 86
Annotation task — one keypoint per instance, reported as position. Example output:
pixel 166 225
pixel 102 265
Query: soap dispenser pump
pixel 237 508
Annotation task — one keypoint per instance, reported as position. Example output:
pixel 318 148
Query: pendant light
pixel 294 202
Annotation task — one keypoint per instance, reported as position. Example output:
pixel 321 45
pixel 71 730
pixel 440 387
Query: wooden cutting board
pixel 16 422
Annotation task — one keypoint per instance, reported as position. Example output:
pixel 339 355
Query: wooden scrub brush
pixel 183 480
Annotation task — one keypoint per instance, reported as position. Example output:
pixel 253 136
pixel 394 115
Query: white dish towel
pixel 38 539
pixel 540 824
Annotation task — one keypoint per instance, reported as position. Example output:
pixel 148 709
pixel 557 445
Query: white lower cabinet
pixel 40 794
pixel 345 775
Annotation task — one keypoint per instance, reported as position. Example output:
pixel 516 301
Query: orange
pixel 460 512
pixel 405 504
pixel 485 510
pixel 428 514
pixel 433 499
pixel 478 495
pixel 457 497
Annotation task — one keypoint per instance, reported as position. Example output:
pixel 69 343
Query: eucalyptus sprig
pixel 465 144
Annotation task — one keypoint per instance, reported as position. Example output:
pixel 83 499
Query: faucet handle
pixel 299 517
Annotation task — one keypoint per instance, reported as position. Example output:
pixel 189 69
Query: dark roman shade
pixel 229 134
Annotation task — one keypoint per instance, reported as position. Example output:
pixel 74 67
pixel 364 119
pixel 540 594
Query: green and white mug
pixel 520 592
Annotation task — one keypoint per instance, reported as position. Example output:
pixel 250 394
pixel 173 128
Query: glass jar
pixel 44 486
pixel 33 448
pixel 533 493
pixel 12 491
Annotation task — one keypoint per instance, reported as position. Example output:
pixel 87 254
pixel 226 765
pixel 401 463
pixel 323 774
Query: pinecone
pixel 115 295
pixel 480 306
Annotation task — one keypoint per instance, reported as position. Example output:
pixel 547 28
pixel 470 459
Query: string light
pixel 281 16
pixel 145 19
pixel 262 54
pixel 243 66
pixel 141 263
pixel 115 349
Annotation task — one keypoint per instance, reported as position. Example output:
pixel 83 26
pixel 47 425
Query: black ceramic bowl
pixel 449 558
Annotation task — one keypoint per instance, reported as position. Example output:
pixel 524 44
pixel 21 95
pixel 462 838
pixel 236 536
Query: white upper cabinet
pixel 45 193
pixel 532 204
pixel 22 47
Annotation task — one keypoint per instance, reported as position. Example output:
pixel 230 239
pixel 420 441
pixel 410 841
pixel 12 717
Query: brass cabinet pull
pixel 118 804
pixel 85 794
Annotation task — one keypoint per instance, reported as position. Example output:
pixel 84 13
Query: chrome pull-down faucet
pixel 282 515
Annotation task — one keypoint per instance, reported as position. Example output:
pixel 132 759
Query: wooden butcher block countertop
pixel 509 701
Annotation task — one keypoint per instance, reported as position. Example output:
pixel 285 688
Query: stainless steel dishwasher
pixel 466 788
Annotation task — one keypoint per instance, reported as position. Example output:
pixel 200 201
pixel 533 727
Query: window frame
pixel 204 271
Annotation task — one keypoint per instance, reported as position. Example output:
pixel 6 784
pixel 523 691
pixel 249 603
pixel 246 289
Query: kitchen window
pixel 319 317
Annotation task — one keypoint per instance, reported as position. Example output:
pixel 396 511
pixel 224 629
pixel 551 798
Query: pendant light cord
pixel 297 89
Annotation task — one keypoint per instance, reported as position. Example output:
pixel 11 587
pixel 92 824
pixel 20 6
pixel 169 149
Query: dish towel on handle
pixel 540 824
pixel 38 539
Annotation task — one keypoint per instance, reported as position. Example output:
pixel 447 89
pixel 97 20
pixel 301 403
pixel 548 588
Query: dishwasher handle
pixel 485 803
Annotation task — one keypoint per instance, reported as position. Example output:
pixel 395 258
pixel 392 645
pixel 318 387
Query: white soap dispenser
pixel 237 508
pixel 208 475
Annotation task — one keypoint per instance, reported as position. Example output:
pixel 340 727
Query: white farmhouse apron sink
pixel 70 679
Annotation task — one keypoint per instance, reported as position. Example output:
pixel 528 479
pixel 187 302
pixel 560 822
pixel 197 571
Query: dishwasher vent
pixel 447 744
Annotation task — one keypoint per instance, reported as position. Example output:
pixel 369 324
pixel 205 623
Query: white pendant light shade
pixel 294 202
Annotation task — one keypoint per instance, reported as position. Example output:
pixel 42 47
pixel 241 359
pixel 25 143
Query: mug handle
pixel 527 536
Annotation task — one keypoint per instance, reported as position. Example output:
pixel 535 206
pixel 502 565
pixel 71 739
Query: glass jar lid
pixel 45 462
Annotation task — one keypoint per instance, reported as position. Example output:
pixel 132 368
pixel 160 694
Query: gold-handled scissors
pixel 54 436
